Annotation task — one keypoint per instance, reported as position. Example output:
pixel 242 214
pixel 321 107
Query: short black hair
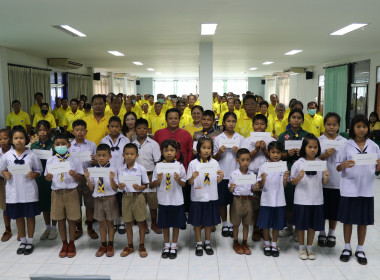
pixel 264 103
pixel 200 108
pixel 114 119
pixel 357 119
pixel 260 117
pixel 181 101
pixel 247 97
pixel 150 95
pixel 74 100
pixel 332 115
pixel 172 110
pixel 103 147
pixel 309 137
pixel 64 98
pixel 229 114
pixel 142 121
pixel 20 128
pixel 61 136
pixel 157 103
pixel 242 151
pixel 116 96
pixel 79 123
pixel 131 146
pixel 373 114
pixel 275 145
pixel 297 102
pixel 44 123
pixel 312 103
pixel 296 111
pixel 98 96
pixel 16 101
pixel 45 104
pixel 202 140
pixel 208 113
pixel 38 93
pixel 87 106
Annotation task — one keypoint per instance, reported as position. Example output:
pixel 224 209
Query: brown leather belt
pixel 61 191
pixel 245 197
pixel 132 193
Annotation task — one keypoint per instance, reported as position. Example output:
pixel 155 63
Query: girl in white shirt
pixel 272 214
pixel 21 190
pixel 331 193
pixel 308 196
pixel 356 205
pixel 171 210
pixel 204 207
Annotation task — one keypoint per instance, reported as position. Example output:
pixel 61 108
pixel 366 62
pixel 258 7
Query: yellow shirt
pixel 216 107
pixel 192 129
pixel 272 110
pixel 121 114
pixel 158 122
pixel 375 126
pixel 55 113
pixel 71 117
pixel 286 115
pixel 61 113
pixel 279 126
pixel 184 120
pixel 314 124
pixel 224 106
pixel 49 117
pixel 222 115
pixel 35 109
pixel 96 130
pixel 108 108
pixel 197 103
pixel 87 114
pixel 137 110
pixel 147 117
pixel 21 118
pixel 244 126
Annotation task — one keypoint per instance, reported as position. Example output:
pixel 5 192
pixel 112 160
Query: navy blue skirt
pixel 23 210
pixel 308 216
pixel 356 210
pixel 331 199
pixel 204 213
pixel 225 196
pixel 272 217
pixel 171 216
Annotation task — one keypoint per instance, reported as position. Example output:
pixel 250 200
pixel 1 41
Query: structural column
pixel 205 74
pixel 4 87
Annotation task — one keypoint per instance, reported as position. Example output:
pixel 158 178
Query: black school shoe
pixel 331 241
pixel 231 231
pixel 173 253
pixel 361 260
pixel 28 249
pixel 208 249
pixel 21 249
pixel 225 232
pixel 345 258
pixel 199 250
pixel 322 240
pixel 165 254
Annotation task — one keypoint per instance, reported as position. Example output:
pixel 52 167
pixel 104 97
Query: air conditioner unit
pixel 64 63
pixel 133 78
pixel 298 70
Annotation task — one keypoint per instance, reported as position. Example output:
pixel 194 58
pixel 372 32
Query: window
pixel 102 86
pixel 187 87
pixel 57 87
pixel 166 87
pixel 283 90
pixel 237 86
pixel 118 85
pixel 218 86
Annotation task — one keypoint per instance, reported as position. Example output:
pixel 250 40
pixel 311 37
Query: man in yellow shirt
pixel 157 118
pixel 36 108
pixel 145 115
pixel 217 106
pixel 313 122
pixel 224 104
pixel 116 108
pixel 191 99
pixel 44 115
pixel 74 114
pixel 272 105
pixel 184 118
pixel 18 117
pixel 87 110
pixel 58 104
pixel 244 123
pixel 62 121
pixel 230 108
pixel 279 121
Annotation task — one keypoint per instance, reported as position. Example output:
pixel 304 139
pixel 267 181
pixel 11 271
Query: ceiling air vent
pixel 64 63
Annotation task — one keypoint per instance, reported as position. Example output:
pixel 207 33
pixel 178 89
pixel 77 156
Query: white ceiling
pixel 165 34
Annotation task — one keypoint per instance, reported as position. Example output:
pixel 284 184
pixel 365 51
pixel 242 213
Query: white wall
pixel 254 85
pixel 302 89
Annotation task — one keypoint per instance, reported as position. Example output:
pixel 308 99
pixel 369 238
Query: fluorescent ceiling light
pixel 158 73
pixel 137 63
pixel 73 30
pixel 208 28
pixel 253 68
pixel 150 69
pixel 349 28
pixel 267 62
pixel 293 52
pixel 116 53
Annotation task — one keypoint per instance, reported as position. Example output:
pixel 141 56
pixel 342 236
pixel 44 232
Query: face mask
pixel 44 112
pixel 312 112
pixel 160 100
pixel 133 102
pixel 61 150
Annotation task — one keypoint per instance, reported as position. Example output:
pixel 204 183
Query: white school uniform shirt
pixel 227 160
pixel 20 189
pixel 87 145
pixel 358 180
pixel 117 159
pixel 68 181
pixel 199 191
pixel 173 196
pixel 273 191
pixel 245 190
pixel 136 170
pixel 109 191
pixel 309 191
pixel 260 158
pixel 334 175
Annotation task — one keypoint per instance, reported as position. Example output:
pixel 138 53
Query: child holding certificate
pixel 272 203
pixel 204 207
pixel 20 167
pixel 356 205
pixel 105 202
pixel 44 187
pixel 170 198
pixel 308 196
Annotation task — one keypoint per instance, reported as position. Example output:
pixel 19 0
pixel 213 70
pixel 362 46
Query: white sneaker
pixel 53 234
pixel 310 255
pixel 286 232
pixel 302 254
pixel 45 235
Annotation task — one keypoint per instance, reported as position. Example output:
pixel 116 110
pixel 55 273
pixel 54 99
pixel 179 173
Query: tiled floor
pixel 225 264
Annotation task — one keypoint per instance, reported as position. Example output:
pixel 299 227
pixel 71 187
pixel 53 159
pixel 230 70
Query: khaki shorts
pixel 84 191
pixel 133 207
pixel 106 208
pixel 241 211
pixel 151 199
pixel 2 194
pixel 65 205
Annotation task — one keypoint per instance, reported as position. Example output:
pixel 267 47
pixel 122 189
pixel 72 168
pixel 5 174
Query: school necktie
pixel 101 181
pixel 20 161
pixel 207 176
pixel 115 148
pixel 62 159
pixel 168 181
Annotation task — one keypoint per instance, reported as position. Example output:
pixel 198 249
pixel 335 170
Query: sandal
pixel 344 257
pixel 199 250
pixel 165 253
pixel 127 250
pixel 331 241
pixel 6 236
pixel 322 240
pixel 267 250
pixel 275 251
pixel 173 253
pixel 142 251
pixel 361 260
pixel 21 249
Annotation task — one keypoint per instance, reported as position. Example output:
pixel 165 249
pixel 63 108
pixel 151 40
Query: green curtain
pixel 336 82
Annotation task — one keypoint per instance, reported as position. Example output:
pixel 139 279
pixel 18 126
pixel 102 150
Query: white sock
pixel 23 239
pixel 266 243
pixel 322 232
pixel 331 232
pixel 231 228
pixel 30 240
pixel 274 244
pixel 207 242
pixel 167 245
pixel 199 243
pixel 308 247
pixel 225 224
pixel 347 246
pixel 360 249
pixel 173 246
pixel 301 247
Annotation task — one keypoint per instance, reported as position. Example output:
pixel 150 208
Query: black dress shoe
pixel 21 249
pixel 199 250
pixel 173 253
pixel 165 253
pixel 29 249
pixel 322 240
pixel 208 249
pixel 361 260
pixel 225 232
pixel 231 231
pixel 345 258
pixel 331 241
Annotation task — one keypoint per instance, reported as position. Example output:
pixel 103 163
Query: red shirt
pixel 182 137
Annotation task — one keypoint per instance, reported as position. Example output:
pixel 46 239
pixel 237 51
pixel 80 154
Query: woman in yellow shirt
pixel 196 125
pixel 374 122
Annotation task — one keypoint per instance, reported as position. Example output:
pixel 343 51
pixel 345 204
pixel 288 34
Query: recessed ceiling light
pixel 137 63
pixel 208 28
pixel 69 30
pixel 150 69
pixel 267 62
pixel 253 68
pixel 293 52
pixel 116 53
pixel 349 28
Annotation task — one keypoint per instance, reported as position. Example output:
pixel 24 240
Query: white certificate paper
pixel 293 144
pixel 58 168
pixel 245 179
pixel 43 154
pixel 315 165
pixel 271 167
pixel 364 159
pixel 169 167
pixel 258 136
pixel 229 143
pixel 195 143
pixel 19 169
pixel 130 180
pixel 328 144
pixel 207 168
pixel 99 171
pixel 82 156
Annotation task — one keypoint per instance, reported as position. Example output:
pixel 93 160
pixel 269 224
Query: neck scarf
pixel 20 161
pixel 101 181
pixel 207 175
pixel 115 148
pixel 62 159
pixel 168 179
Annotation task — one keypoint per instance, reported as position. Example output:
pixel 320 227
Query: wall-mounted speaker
pixel 263 82
pixel 96 76
pixel 309 75
pixel 137 82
